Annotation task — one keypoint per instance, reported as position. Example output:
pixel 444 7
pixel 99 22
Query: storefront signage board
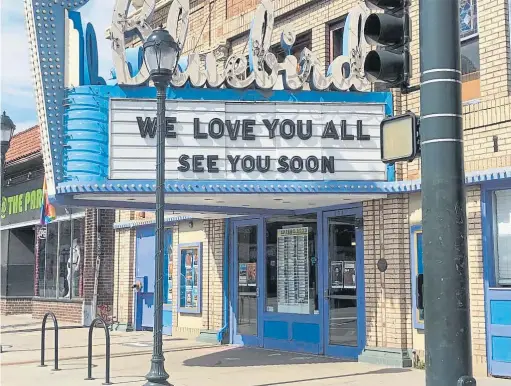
pixel 216 140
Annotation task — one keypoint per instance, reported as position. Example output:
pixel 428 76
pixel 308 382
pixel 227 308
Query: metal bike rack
pixel 107 355
pixel 43 333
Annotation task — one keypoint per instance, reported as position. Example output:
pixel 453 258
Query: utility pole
pixel 446 297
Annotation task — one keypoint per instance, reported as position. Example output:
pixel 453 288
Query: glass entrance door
pixel 248 271
pixel 344 316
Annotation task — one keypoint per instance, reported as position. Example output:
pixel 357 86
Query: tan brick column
pixel 124 274
pixel 388 294
pixel 212 275
pixel 476 280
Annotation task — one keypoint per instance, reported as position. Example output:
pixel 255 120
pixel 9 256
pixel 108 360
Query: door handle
pixel 257 292
pixel 137 286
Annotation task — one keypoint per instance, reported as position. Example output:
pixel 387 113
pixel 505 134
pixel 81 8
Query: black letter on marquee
pixel 248 164
pixel 233 161
pixel 308 132
pixel 344 135
pixel 360 136
pixel 271 126
pixel 196 130
pixel 183 161
pixel 233 131
pixel 296 164
pixel 291 125
pixel 197 163
pixel 248 130
pixel 219 132
pixel 147 126
pixel 212 168
pixel 312 164
pixel 330 131
pixel 284 167
pixel 169 127
pixel 327 163
pixel 266 167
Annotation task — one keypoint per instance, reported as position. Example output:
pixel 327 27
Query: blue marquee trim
pixel 77 23
pixel 226 186
pixel 250 186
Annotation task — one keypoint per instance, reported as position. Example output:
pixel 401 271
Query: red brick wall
pixel 106 271
pixel 15 306
pixel 105 247
pixel 65 311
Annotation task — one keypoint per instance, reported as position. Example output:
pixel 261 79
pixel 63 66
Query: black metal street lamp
pixel 160 54
pixel 7 130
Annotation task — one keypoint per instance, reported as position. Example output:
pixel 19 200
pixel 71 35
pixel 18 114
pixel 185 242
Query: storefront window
pixel 502 237
pixel 291 265
pixel 190 263
pixel 59 254
pixel 76 264
pixel 469 34
pixel 20 264
pixel 50 258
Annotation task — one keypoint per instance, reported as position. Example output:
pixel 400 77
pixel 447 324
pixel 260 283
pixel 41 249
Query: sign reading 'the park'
pixel 218 140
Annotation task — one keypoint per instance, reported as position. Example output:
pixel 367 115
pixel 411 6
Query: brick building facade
pixel 131 262
pixel 35 279
pixel 391 225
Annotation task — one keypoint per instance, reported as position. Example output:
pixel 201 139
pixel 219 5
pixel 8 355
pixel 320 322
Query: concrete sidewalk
pixel 25 323
pixel 189 363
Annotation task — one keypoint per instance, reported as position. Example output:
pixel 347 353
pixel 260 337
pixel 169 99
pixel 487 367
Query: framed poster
pixel 336 273
pixel 252 274
pixel 349 275
pixel 190 277
pixel 242 275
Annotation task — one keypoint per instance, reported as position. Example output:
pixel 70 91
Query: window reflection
pixel 51 260
pixel 342 290
pixel 247 280
pixel 60 252
pixel 75 268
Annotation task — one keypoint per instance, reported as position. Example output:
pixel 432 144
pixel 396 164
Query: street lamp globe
pixel 7 129
pixel 160 55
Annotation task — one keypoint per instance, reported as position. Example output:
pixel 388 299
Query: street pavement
pixel 188 362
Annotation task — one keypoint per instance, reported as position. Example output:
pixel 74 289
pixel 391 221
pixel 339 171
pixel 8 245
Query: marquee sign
pixel 344 73
pixel 245 119
pixel 248 141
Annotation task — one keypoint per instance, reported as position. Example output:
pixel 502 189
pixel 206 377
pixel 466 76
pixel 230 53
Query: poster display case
pixel 190 269
pixel 293 270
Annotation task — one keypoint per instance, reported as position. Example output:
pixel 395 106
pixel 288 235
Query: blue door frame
pixel 296 332
pixel 335 350
pixel 497 300
pixel 237 338
pixel 144 273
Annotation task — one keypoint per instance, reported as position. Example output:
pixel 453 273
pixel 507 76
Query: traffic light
pixel 390 62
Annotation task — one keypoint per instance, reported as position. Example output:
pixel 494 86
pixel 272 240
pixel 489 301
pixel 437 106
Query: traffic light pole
pixel 446 297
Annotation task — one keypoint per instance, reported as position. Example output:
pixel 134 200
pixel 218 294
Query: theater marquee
pixel 248 140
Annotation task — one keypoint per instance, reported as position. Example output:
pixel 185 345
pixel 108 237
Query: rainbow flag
pixel 48 213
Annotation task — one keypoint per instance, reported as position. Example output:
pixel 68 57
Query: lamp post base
pixel 157 376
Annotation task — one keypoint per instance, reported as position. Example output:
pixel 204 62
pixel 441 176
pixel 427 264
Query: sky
pixel 17 96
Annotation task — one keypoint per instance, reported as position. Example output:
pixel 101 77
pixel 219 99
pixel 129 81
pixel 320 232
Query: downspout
pixel 225 282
